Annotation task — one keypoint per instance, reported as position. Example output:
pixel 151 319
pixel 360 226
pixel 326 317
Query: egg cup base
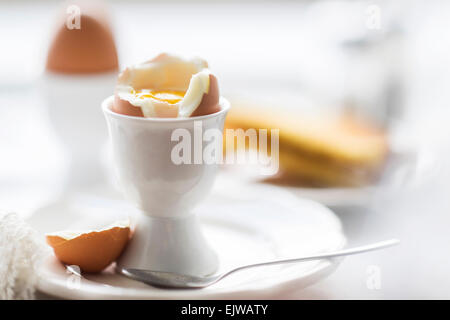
pixel 171 245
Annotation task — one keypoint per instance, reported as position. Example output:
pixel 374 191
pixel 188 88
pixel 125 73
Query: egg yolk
pixel 169 96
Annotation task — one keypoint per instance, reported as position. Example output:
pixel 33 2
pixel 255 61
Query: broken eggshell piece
pixel 167 87
pixel 91 251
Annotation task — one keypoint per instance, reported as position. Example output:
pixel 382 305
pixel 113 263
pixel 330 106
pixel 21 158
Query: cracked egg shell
pixel 167 87
pixel 92 251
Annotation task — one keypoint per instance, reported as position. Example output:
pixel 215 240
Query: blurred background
pixel 385 62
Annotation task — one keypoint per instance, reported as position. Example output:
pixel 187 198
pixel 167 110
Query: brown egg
pixel 210 101
pixel 89 49
pixel 91 251
pixel 167 87
pixel 124 107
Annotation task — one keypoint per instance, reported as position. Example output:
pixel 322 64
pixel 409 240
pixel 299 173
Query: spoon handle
pixel 345 252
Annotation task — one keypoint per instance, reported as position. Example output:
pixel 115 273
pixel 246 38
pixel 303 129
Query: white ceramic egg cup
pixel 72 102
pixel 168 236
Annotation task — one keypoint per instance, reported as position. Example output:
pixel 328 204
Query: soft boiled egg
pixel 167 87
pixel 91 251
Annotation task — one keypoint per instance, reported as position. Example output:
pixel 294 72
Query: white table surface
pixel 33 162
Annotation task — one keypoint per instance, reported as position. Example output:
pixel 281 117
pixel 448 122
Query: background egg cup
pixel 72 102
pixel 167 236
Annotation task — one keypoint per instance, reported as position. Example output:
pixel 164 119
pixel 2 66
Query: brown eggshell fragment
pixel 210 100
pixel 92 251
pixel 126 108
pixel 90 49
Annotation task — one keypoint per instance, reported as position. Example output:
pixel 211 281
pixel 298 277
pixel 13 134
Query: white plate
pixel 245 224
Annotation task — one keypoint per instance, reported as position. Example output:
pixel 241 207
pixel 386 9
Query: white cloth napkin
pixel 20 253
